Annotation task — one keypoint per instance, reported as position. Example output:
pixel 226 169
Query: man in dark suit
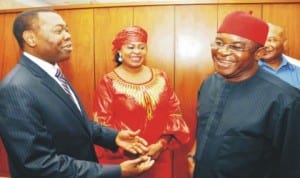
pixel 43 124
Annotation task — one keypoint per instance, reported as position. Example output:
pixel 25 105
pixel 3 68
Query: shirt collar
pixel 47 67
pixel 284 64
pixel 287 63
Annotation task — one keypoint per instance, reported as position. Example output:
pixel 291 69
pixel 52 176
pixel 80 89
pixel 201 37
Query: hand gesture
pixel 131 142
pixel 136 166
pixel 155 150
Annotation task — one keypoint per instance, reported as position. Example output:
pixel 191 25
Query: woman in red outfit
pixel 134 96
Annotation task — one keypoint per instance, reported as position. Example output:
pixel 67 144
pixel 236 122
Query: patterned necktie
pixel 64 83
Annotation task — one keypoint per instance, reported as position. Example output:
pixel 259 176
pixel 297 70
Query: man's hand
pixel 191 159
pixel 136 166
pixel 131 142
pixel 191 165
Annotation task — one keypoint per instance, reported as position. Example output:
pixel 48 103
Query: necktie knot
pixel 60 76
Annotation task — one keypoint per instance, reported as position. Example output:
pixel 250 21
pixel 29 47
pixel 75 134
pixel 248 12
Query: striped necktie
pixel 64 83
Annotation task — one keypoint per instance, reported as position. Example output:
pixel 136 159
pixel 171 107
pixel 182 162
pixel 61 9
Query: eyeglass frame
pixel 230 46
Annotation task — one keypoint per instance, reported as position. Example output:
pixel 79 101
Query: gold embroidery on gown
pixel 146 94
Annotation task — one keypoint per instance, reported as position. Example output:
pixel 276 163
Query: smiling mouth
pixel 224 63
pixel 135 58
pixel 68 47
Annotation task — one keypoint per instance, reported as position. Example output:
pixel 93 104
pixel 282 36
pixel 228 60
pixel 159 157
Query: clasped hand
pixel 131 142
pixel 134 145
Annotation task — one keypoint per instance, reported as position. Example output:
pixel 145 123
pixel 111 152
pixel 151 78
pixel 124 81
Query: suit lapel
pixel 52 85
pixel 79 102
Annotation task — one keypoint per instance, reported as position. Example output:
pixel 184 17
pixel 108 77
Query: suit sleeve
pixel 30 145
pixel 104 136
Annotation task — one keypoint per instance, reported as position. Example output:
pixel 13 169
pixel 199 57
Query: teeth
pixel 224 63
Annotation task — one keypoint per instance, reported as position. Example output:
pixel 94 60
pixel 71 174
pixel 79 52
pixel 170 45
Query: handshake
pixel 135 145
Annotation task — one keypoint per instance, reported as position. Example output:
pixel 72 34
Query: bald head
pixel 276 43
pixel 276 32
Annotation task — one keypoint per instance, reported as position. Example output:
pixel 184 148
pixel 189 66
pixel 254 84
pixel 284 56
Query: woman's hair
pixel 126 35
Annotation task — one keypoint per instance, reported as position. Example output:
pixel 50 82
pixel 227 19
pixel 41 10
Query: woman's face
pixel 133 54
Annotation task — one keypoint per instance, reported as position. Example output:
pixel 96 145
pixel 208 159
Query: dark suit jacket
pixel 43 131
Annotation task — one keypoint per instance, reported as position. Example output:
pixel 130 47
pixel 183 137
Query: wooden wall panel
pixel 286 16
pixel 79 69
pixel 195 28
pixel 108 22
pixel 255 1
pixel 158 21
pixel 179 43
pixel 9 56
pixel 1 48
pixel 10 50
pixel 223 10
pixel 3 162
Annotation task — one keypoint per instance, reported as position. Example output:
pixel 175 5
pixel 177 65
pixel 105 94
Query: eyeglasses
pixel 234 47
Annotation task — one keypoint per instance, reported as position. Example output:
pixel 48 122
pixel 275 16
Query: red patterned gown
pixel 152 107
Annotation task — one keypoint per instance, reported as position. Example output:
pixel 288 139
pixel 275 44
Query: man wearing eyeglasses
pixel 275 62
pixel 248 119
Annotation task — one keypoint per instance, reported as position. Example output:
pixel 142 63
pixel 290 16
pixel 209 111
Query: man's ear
pixel 29 38
pixel 260 53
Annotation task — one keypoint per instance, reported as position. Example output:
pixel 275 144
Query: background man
pixel 275 62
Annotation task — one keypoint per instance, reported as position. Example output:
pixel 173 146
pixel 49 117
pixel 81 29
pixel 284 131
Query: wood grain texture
pixel 79 69
pixel 158 21
pixel 10 50
pixel 179 43
pixel 223 10
pixel 9 56
pixel 108 22
pixel 195 28
pixel 286 16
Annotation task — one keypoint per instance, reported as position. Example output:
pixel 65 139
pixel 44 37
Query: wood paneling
pixel 286 16
pixel 108 22
pixel 79 69
pixel 256 1
pixel 9 56
pixel 10 50
pixel 223 10
pixel 159 23
pixel 195 28
pixel 179 43
pixel 2 49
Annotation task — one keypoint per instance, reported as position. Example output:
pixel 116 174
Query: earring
pixel 120 58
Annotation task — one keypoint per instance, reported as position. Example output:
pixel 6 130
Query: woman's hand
pixel 156 149
pixel 131 142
